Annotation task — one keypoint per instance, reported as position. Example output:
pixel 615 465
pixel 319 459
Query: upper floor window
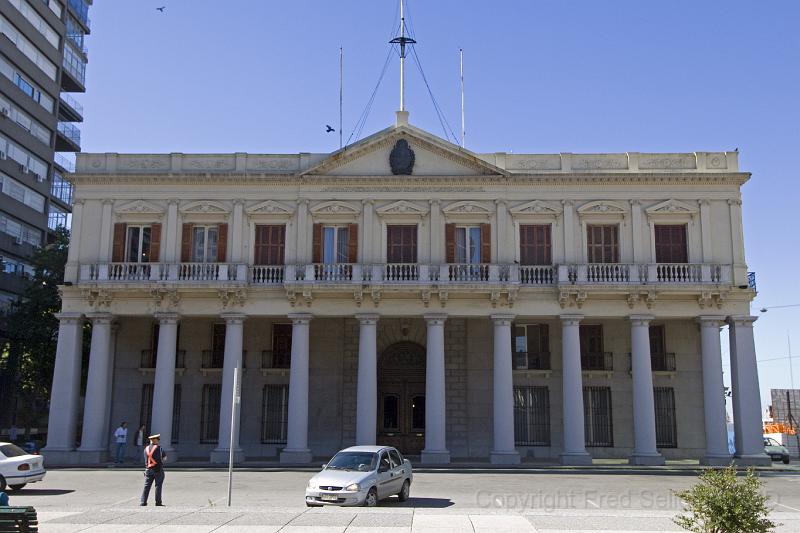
pixel 21 193
pixel 532 347
pixel 26 86
pixel 37 21
pixel 468 244
pixel 204 243
pixel 592 355
pixel 136 243
pixel 28 48
pixel 138 247
pixel 335 243
pixel 670 241
pixel 602 243
pixel 535 244
pixel 269 244
pixel 20 231
pixel 401 243
pixel 57 217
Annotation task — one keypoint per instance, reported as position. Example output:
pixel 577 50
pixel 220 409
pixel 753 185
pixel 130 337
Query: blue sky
pixel 543 77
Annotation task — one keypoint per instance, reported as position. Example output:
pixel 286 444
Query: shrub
pixel 721 503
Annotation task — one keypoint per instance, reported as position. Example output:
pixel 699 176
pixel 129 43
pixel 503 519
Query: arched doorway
pixel 401 397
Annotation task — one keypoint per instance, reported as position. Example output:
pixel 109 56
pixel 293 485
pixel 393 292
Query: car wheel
pixel 786 460
pixel 405 491
pixel 18 487
pixel 2 483
pixel 372 498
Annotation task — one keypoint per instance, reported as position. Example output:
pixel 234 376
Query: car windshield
pixel 9 450
pixel 770 442
pixel 359 461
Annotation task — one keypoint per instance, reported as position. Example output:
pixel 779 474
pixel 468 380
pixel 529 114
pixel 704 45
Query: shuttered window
pixel 597 421
pixel 670 241
pixel 274 413
pixel 204 243
pixel 531 416
pixel 535 245
pixel 209 413
pixel 603 243
pixel 666 423
pixel 270 244
pixel 401 244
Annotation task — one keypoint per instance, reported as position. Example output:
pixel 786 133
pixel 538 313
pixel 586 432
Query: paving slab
pixel 501 524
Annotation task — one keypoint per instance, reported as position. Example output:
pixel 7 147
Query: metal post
pixel 461 58
pixel 341 92
pixel 237 396
pixel 402 41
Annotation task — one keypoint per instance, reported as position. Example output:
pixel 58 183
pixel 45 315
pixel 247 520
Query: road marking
pixel 595 505
pixel 784 505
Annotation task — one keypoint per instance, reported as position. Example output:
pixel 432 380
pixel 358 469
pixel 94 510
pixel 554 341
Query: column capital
pixel 503 319
pixel 435 319
pixel 368 318
pixel 233 318
pixel 571 320
pixel 712 321
pixel 741 321
pixel 300 318
pixel 640 320
pixel 167 318
pixel 100 318
pixel 368 202
pixel 69 318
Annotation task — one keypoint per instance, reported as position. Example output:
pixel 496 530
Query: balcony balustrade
pixel 148 359
pixel 603 361
pixel 531 361
pixel 346 274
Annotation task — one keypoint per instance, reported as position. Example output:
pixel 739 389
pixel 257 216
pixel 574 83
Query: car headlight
pixel 353 487
pixel 312 485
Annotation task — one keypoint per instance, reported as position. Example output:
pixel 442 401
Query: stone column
pixel 644 411
pixel 503 450
pixel 435 451
pixel 164 387
pixel 574 451
pixel 106 229
pixel 747 423
pixel 94 443
pixel 297 450
pixel 63 421
pixel 716 430
pixel 367 393
pixel 234 334
pixel 72 268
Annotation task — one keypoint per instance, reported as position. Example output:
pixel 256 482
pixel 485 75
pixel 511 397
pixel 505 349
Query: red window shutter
pixel 186 243
pixel 316 252
pixel 222 242
pixel 486 243
pixel 155 243
pixel 352 243
pixel 118 249
pixel 450 243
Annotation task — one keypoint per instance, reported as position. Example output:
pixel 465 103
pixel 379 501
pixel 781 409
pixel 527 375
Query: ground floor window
pixel 531 416
pixel 146 410
pixel 209 414
pixel 597 421
pixel 666 423
pixel 274 413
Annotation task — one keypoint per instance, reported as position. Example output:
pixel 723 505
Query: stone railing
pixel 346 274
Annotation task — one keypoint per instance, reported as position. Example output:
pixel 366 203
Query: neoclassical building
pixel 485 307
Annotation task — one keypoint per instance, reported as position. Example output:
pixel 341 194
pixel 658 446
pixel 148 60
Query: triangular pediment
pixel 204 206
pixel 334 207
pixel 601 207
pixel 671 207
pixel 536 207
pixel 140 206
pixel 402 207
pixel 432 156
pixel 270 207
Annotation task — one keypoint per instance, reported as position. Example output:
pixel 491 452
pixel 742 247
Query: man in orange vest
pixel 154 457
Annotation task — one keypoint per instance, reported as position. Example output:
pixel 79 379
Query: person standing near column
pixel 154 470
pixel 140 442
pixel 121 440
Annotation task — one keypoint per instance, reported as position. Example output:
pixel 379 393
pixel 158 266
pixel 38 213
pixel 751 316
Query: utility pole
pixel 402 40
pixel 461 61
pixel 341 92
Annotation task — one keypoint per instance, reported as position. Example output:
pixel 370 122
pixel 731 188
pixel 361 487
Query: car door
pixel 398 471
pixel 385 475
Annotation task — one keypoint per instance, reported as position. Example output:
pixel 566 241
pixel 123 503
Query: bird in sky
pixel 162 8
pixel 329 129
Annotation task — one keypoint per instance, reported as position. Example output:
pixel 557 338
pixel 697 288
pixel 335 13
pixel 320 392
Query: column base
pixel 435 457
pixel 172 455
pixel 221 455
pixel 716 460
pixel 576 459
pixel 61 457
pixel 646 459
pixel 92 457
pixel 756 459
pixel 295 456
pixel 504 458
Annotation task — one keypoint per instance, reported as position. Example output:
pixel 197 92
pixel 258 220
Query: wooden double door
pixel 401 398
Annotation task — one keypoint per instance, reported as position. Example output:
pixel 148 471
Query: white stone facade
pixel 409 336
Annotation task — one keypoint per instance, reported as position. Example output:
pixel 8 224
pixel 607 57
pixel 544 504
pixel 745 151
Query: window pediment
pixel 402 208
pixel 536 208
pixel 269 208
pixel 205 207
pixel 602 207
pixel 671 207
pixel 140 207
pixel 467 207
pixel 334 207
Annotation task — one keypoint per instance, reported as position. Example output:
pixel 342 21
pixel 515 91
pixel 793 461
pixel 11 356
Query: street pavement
pixel 271 500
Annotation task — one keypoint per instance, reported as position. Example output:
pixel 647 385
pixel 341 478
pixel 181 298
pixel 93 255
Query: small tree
pixel 720 503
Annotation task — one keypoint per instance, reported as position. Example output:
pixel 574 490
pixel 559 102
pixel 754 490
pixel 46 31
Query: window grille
pixel 274 413
pixel 597 421
pixel 532 416
pixel 209 415
pixel 666 423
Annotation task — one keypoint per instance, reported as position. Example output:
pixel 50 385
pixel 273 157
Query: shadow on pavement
pixel 41 492
pixel 430 503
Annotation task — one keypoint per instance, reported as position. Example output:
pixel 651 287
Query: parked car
pixel 361 475
pixel 776 450
pixel 18 467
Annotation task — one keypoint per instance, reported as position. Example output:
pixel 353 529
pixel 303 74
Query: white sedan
pixel 18 467
pixel 361 475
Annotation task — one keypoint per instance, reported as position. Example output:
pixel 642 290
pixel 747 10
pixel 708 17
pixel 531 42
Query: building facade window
pixel 27 162
pixel 532 416
pixel 535 247
pixel 74 64
pixel 602 243
pixel 281 346
pixel 597 420
pixel 592 355
pixel 20 231
pixel 274 413
pixel 21 193
pixel 28 49
pixel 23 120
pixel 204 244
pixel 28 87
pixel 401 243
pixel 209 413
pixel 137 249
pixel 532 347
pixel 670 241
pixel 61 188
pixel 75 33
pixel 18 268
pixel 335 240
pixel 24 7
pixel 468 244
pixel 270 243
pixel 666 421
pixel 57 217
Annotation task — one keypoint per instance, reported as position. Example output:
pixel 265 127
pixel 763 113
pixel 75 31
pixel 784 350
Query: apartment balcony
pixel 69 109
pixel 73 75
pixel 65 164
pixel 347 276
pixel 68 138
pixel 80 10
